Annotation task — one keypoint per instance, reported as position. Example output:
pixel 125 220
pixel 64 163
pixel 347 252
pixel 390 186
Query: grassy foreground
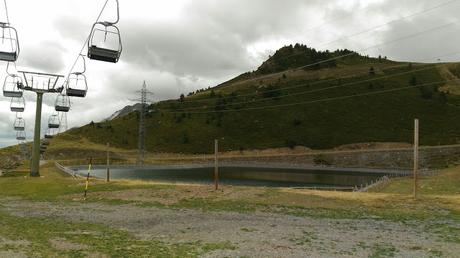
pixel 439 201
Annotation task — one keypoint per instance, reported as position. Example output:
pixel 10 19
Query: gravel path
pixel 254 234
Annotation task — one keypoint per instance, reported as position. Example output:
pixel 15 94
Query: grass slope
pixel 180 126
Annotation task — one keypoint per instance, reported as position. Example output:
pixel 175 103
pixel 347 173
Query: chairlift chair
pixel 18 105
pixel 10 86
pixel 77 85
pixel 19 124
pixel 62 103
pixel 49 134
pixel 9 43
pixel 104 42
pixel 53 122
pixel 21 136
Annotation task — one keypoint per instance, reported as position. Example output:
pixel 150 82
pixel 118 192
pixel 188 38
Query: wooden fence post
pixel 416 157
pixel 216 164
pixel 108 163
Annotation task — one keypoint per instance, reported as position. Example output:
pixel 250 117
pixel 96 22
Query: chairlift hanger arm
pixel 118 15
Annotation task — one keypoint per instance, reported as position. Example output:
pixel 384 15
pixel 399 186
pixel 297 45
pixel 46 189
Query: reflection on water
pixel 251 176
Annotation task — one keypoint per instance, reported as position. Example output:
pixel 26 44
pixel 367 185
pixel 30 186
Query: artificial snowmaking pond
pixel 275 176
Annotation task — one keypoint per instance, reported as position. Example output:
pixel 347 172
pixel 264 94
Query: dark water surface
pixel 250 176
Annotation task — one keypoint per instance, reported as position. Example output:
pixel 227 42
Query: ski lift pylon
pixel 104 42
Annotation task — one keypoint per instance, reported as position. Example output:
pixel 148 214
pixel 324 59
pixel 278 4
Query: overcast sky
pixel 178 46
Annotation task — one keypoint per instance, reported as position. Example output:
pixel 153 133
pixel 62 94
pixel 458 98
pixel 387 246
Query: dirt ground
pixel 253 234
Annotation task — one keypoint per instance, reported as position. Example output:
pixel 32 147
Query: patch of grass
pixel 435 253
pixel 248 230
pixel 53 185
pixel 447 182
pixel 96 239
pixel 447 231
pixel 382 251
pixel 305 239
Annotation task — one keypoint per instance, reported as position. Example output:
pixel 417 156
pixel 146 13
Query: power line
pixel 379 45
pixel 393 21
pixel 405 17
pixel 313 101
pixel 319 90
pixel 301 85
pixel 353 53
pixel 384 24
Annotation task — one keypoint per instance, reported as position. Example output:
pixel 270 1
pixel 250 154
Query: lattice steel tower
pixel 142 130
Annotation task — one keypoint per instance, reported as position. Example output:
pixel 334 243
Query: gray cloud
pixel 72 28
pixel 46 56
pixel 212 41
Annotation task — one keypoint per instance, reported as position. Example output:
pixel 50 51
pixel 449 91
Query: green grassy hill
pixel 348 100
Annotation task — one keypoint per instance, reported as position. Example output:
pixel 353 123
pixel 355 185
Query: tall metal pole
pixel 35 166
pixel 141 158
pixel 416 148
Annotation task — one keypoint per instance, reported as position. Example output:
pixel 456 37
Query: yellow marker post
pixel 87 177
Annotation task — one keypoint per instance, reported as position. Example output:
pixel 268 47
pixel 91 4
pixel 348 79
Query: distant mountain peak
pixel 125 111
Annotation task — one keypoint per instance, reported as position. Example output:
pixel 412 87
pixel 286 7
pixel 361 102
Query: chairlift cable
pixel 86 41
